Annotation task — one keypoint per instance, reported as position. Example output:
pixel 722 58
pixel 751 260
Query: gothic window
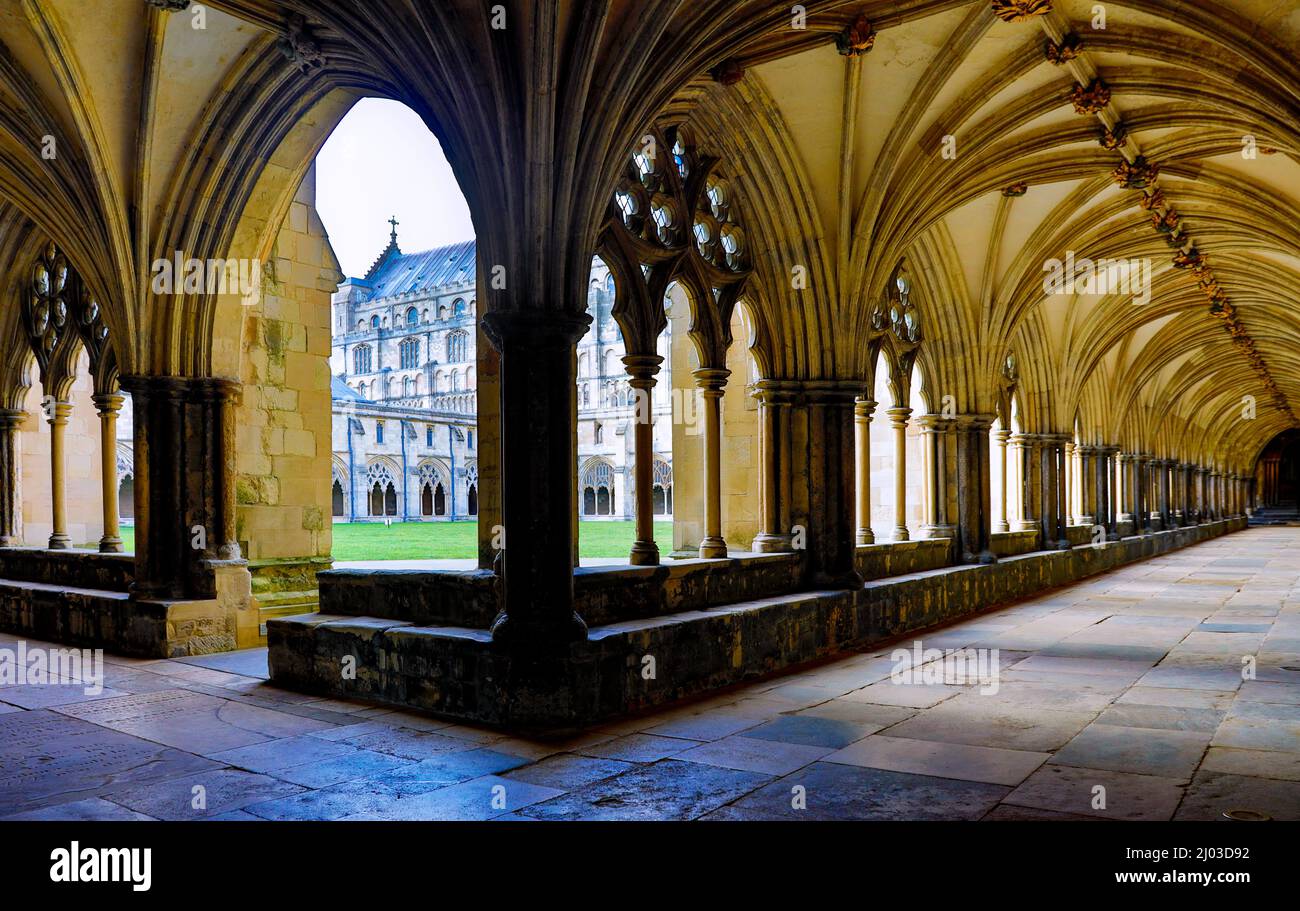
pixel 598 433
pixel 470 441
pixel 663 488
pixel 412 317
pixel 472 500
pixel 428 436
pixel 442 312
pixel 379 431
pixel 598 489
pixel 458 307
pixel 383 490
pixel 337 499
pixel 408 386
pixel 361 359
pixel 457 347
pixel 374 322
pixel 410 352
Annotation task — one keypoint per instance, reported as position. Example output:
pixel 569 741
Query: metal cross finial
pixel 394 222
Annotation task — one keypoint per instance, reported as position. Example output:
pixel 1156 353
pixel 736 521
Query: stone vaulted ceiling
pixel 926 132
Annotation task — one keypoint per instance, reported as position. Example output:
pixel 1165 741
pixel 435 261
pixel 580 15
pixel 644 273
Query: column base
pixel 901 534
pixel 931 532
pixel 644 553
pixel 766 543
pixel 713 548
pixel 1001 528
pixel 59 542
pixel 537 636
pixel 110 545
pixel 866 536
pixel 1025 525
pixel 1085 520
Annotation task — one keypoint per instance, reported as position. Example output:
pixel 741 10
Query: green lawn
pixel 458 540
pixel 453 540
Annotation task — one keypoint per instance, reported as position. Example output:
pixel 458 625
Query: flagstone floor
pixel 1122 697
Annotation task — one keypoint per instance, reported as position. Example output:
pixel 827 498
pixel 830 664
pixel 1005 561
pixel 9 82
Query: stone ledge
pixel 460 673
pixel 78 568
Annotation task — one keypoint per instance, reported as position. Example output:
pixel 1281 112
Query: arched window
pixel 379 431
pixel 383 490
pixel 662 494
pixel 374 321
pixel 457 347
pixel 412 316
pixel 442 312
pixel 598 433
pixel 337 499
pixel 408 386
pixel 439 500
pixel 410 352
pixel 598 488
pixel 459 307
pixel 361 359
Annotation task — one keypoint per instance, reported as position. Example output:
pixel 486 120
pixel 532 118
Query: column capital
pixel 934 423
pixel 535 328
pixel 898 416
pixel 108 402
pixel 864 408
pixel 11 418
pixel 642 369
pixel 711 379
pixel 57 413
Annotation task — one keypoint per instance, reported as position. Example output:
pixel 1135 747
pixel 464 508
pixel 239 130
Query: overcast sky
pixel 382 161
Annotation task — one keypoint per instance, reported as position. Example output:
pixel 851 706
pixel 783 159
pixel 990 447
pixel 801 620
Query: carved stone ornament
pixel 1020 188
pixel 1068 49
pixel 1020 10
pixel 1112 139
pixel 728 72
pixel 856 39
pixel 1090 98
pixel 1136 174
pixel 298 46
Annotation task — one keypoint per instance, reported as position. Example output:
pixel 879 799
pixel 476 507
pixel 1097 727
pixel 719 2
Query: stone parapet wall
pixel 460 673
pixel 74 568
pixel 876 561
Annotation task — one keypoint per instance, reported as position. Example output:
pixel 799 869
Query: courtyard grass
pixel 357 541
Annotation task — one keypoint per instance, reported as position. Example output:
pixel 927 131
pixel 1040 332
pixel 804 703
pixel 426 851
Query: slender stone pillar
pixel 108 405
pixel 1128 498
pixel 1052 497
pixel 538 395
pixel 1088 475
pixel 11 498
pixel 938 465
pixel 862 411
pixel 1000 437
pixel 57 414
pixel 1025 446
pixel 775 481
pixel 642 370
pixel 1166 493
pixel 898 421
pixel 711 382
pixel 1068 476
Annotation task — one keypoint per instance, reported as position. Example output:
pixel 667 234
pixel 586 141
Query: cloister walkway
pixel 1122 697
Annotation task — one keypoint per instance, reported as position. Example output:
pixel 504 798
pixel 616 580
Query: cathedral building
pixel 404 363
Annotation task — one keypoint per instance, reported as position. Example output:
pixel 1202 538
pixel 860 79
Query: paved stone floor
pixel 1121 697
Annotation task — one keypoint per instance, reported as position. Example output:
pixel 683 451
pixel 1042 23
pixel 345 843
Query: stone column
pixel 973 488
pixel 1000 437
pixel 642 370
pixel 1127 497
pixel 1068 474
pixel 711 382
pixel 538 396
pixel 11 498
pixel 898 421
pixel 1052 497
pixel 1166 493
pixel 937 466
pixel 774 441
pixel 862 411
pixel 108 405
pixel 57 414
pixel 1089 477
pixel 823 417
pixel 1025 446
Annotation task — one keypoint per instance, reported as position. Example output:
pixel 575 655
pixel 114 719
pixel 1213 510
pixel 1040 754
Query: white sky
pixel 382 161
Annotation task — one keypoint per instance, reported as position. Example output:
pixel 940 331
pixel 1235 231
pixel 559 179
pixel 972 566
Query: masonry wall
pixel 284 419
pixel 81 469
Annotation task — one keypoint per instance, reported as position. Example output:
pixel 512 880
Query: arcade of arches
pixel 969 299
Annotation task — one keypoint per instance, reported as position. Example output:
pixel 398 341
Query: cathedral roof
pixel 340 390
pixel 403 273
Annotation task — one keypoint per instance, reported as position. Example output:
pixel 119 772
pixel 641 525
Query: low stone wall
pixel 1013 543
pixel 602 594
pixel 877 561
pixel 460 673
pixel 73 568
